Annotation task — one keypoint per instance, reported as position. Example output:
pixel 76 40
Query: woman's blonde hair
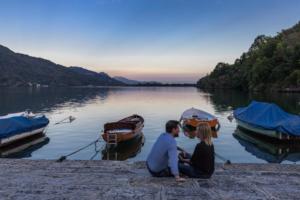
pixel 204 130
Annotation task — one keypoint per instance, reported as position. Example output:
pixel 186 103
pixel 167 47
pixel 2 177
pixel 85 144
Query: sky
pixel 152 40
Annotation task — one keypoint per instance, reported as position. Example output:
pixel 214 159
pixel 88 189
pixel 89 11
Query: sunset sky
pixel 160 40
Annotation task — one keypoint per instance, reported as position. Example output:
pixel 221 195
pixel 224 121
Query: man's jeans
pixel 163 173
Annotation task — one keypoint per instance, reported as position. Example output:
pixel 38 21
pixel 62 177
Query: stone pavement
pixel 46 179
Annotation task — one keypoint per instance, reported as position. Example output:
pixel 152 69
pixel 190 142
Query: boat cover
pixel 196 113
pixel 269 116
pixel 10 126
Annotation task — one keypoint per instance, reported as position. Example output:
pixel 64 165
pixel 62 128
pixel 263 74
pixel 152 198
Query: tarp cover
pixel 196 113
pixel 269 116
pixel 19 124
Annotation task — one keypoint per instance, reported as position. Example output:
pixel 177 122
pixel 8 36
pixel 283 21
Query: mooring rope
pixel 96 152
pixel 62 158
pixel 223 159
pixel 70 118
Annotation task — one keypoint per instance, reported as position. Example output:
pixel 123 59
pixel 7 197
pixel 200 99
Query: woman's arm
pixel 182 159
pixel 196 154
pixel 186 161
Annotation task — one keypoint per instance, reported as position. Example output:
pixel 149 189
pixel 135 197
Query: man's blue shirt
pixel 164 154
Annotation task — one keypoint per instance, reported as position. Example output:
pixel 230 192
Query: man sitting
pixel 163 160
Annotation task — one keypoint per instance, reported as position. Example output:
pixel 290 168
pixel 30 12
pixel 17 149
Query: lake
pixel 93 107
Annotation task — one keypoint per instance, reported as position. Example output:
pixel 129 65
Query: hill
pixel 271 63
pixel 23 70
pixel 126 80
pixel 101 75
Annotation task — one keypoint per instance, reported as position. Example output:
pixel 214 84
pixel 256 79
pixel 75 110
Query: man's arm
pixel 173 159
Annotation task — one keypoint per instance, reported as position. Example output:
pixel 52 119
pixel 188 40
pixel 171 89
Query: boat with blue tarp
pixel 269 120
pixel 18 126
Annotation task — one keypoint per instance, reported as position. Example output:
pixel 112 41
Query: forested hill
pixel 271 63
pixel 22 70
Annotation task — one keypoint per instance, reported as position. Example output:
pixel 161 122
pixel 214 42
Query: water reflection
pixel 47 99
pixel 227 100
pixel 267 149
pixel 93 107
pixel 124 150
pixel 25 147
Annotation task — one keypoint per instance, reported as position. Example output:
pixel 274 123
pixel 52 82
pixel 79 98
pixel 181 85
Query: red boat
pixel 123 130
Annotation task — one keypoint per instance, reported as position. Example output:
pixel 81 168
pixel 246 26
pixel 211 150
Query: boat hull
pixel 9 140
pixel 133 126
pixel 265 132
pixel 122 137
pixel 214 125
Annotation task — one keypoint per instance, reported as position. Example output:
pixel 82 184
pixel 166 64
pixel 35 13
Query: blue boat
pixel 18 126
pixel 269 120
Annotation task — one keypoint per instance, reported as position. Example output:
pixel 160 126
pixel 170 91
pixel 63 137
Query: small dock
pixel 44 179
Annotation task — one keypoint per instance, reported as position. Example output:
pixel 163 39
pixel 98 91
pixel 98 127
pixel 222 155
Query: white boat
pixel 18 126
pixel 269 120
pixel 266 132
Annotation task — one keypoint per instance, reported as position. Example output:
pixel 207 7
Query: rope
pixel 223 159
pixel 96 152
pixel 62 158
pixel 70 118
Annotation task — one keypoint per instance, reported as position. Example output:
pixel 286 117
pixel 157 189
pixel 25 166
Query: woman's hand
pixel 185 160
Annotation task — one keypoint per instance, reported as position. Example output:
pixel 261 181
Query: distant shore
pixel 281 90
pixel 104 86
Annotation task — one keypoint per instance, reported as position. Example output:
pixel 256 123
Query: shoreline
pixel 79 179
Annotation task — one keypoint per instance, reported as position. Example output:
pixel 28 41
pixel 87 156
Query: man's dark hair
pixel 189 128
pixel 170 125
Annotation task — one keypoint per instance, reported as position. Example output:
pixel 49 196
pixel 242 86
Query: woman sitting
pixel 202 163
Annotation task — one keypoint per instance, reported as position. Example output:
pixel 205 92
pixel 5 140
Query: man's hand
pixel 179 179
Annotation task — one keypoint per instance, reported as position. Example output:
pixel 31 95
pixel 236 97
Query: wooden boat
pixel 268 120
pixel 123 130
pixel 19 126
pixel 193 117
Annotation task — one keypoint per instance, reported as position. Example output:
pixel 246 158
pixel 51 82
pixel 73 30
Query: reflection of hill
pixel 223 100
pixel 45 99
pixel 226 100
pixel 266 149
pixel 24 148
pixel 124 150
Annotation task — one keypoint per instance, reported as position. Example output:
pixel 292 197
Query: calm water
pixel 94 107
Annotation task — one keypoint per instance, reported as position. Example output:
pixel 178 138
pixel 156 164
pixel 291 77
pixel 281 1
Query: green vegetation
pixel 272 63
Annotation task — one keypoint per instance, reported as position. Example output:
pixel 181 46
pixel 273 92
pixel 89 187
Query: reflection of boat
pixel 124 150
pixel 270 150
pixel 24 148
pixel 18 126
pixel 123 130
pixel 269 120
pixel 194 117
